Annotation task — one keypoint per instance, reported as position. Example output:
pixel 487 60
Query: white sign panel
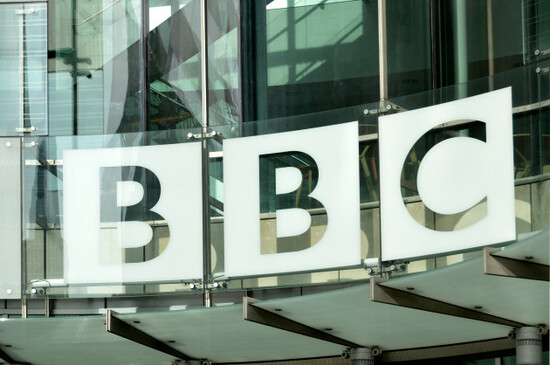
pixel 107 209
pixel 454 176
pixel 334 151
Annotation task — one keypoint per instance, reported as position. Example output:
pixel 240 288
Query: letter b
pixel 327 177
pixel 287 187
pixel 104 239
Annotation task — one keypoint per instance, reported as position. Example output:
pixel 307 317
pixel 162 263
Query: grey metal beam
pixel 259 315
pixel 120 328
pixel 402 298
pixel 503 266
pixel 489 348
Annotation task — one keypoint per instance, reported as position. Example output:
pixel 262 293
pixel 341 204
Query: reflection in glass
pixel 309 56
pixel 224 68
pixel 536 23
pixel 174 73
pixel 408 46
pixel 94 66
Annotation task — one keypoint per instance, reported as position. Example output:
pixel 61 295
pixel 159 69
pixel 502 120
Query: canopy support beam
pixel 382 294
pixel 503 266
pixel 120 328
pixel 259 315
pixel 490 348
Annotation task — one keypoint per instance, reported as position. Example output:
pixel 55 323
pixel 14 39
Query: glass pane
pixel 224 66
pixel 536 22
pixel 408 34
pixel 308 56
pixel 174 71
pixel 123 176
pixel 478 38
pixel 531 159
pixel 23 97
pixel 10 216
pixel 95 67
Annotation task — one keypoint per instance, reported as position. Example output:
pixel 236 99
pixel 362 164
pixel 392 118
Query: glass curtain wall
pixel 291 64
pixel 94 66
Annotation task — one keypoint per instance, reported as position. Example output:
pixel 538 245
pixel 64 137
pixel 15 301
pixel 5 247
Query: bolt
pixel 537 52
pixel 9 291
pixel 366 112
pixel 8 144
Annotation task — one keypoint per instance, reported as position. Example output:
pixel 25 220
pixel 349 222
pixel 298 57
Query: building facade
pixel 125 144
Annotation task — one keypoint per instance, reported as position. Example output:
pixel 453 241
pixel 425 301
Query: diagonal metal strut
pixel 8 359
pixel 119 327
pixel 259 315
pixel 503 266
pixel 402 298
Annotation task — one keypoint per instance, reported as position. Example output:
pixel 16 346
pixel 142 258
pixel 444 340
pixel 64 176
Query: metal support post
pixel 362 356
pixel 529 346
pixel 47 307
pixel 24 308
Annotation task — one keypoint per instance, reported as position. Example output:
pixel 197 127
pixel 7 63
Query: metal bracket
pixel 544 52
pixel 402 298
pixel 25 129
pixel 25 11
pixel 503 266
pixel 259 315
pixel 386 107
pixel 120 328
pixel 214 135
pixel 31 144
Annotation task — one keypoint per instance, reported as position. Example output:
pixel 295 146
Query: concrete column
pixel 528 346
pixel 361 356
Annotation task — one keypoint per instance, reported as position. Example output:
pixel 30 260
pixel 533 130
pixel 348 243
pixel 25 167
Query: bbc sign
pixel 100 240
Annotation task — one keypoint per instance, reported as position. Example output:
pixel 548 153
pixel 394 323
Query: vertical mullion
pixel 22 67
pixel 382 50
pixel 435 43
pixel 204 62
pixel 205 154
pixel 144 43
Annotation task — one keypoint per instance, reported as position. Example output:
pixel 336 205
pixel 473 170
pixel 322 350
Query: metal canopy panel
pixel 351 315
pixel 76 340
pixel 532 247
pixel 220 334
pixel 464 284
